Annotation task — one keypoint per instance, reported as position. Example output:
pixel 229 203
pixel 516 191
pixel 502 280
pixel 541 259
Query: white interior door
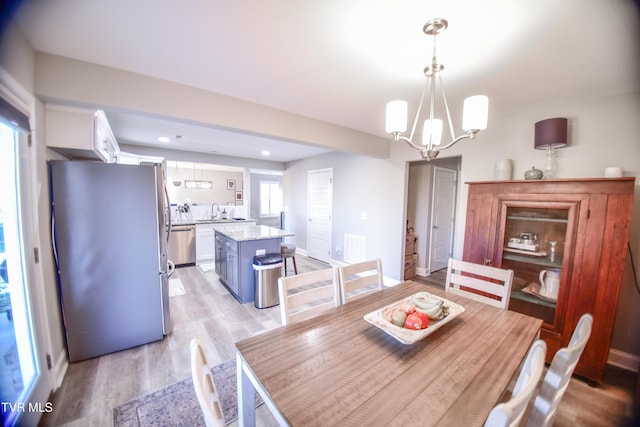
pixel 319 213
pixel 442 217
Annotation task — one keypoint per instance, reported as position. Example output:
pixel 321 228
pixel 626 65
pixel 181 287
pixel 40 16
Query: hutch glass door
pixel 535 243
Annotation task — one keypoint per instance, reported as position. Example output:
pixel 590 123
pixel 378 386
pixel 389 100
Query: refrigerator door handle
pixel 172 268
pixel 166 193
pixel 53 241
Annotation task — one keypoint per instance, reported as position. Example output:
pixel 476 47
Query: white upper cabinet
pixel 137 159
pixel 80 133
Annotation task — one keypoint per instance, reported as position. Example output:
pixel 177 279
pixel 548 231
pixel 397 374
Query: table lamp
pixel 549 135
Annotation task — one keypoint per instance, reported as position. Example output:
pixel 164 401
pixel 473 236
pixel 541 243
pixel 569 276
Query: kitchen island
pixel 235 249
pixel 205 236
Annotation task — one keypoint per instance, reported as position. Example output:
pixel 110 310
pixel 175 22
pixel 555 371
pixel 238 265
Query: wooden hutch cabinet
pixel 574 229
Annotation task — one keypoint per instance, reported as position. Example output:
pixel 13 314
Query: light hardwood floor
pixel 92 388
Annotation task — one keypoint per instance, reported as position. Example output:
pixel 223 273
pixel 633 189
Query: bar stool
pixel 288 250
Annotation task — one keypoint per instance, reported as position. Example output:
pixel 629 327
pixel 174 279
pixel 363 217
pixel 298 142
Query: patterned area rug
pixel 176 405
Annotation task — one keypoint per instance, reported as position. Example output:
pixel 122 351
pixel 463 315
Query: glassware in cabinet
pixel 533 247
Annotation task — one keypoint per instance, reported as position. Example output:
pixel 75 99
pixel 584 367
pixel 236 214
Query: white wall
pixel 218 193
pixel 360 185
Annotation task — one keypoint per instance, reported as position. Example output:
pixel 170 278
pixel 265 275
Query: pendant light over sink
pixel 176 177
pixel 198 184
pixel 474 116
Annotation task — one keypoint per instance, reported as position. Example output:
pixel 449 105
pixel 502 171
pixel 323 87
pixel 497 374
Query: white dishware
pixel 503 170
pixel 613 172
pixel 550 283
pixel 379 318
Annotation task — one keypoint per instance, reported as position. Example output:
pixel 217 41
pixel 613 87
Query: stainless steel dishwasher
pixel 182 244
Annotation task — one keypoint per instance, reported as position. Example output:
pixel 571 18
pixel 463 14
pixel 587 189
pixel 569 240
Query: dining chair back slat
pixel 307 294
pixel 360 279
pixel 484 283
pixel 510 413
pixel 558 375
pixel 205 388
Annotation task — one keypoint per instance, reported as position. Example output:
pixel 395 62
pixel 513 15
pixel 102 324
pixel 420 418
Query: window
pixel 270 198
pixel 18 368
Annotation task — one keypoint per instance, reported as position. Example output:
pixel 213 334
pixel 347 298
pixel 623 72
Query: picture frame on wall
pixel 231 184
pixel 238 196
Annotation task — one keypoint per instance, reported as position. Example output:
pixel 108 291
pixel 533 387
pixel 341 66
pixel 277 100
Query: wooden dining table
pixel 338 369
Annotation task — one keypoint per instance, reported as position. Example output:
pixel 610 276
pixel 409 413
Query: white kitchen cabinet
pixel 205 244
pixel 80 133
pixel 205 238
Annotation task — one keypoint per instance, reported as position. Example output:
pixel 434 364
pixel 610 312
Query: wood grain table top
pixel 337 369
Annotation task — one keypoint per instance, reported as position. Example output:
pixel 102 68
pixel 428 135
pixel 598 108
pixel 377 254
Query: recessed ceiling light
pixel 266 153
pixel 163 139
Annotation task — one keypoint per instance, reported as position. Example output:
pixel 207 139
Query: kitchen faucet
pixel 214 215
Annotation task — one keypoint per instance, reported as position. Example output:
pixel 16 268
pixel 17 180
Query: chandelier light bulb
pixel 432 129
pixel 476 112
pixel 396 116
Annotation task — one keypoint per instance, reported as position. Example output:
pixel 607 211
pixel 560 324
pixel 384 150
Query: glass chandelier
pixel 474 115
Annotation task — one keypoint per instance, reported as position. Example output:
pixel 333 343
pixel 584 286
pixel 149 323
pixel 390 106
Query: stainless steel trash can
pixel 266 271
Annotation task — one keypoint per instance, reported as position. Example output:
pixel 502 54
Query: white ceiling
pixel 142 130
pixel 340 61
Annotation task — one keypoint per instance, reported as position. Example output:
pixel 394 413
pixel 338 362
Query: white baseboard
pixel 421 271
pixel 624 360
pixel 59 370
pixel 388 281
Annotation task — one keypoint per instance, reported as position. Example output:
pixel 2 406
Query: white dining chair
pixel 307 294
pixel 360 279
pixel 556 380
pixel 510 413
pixel 205 388
pixel 484 283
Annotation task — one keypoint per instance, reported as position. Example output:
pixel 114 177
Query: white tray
pixel 378 318
pixel 523 246
pixel 523 252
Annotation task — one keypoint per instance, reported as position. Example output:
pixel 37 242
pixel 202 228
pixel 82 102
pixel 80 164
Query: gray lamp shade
pixel 551 133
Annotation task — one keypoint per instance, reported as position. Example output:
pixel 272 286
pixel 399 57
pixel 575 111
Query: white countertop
pixel 257 232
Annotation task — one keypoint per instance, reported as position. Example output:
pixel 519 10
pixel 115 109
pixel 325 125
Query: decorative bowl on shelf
pixel 533 173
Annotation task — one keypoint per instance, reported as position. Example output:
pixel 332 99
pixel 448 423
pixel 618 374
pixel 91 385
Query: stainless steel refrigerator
pixel 110 245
